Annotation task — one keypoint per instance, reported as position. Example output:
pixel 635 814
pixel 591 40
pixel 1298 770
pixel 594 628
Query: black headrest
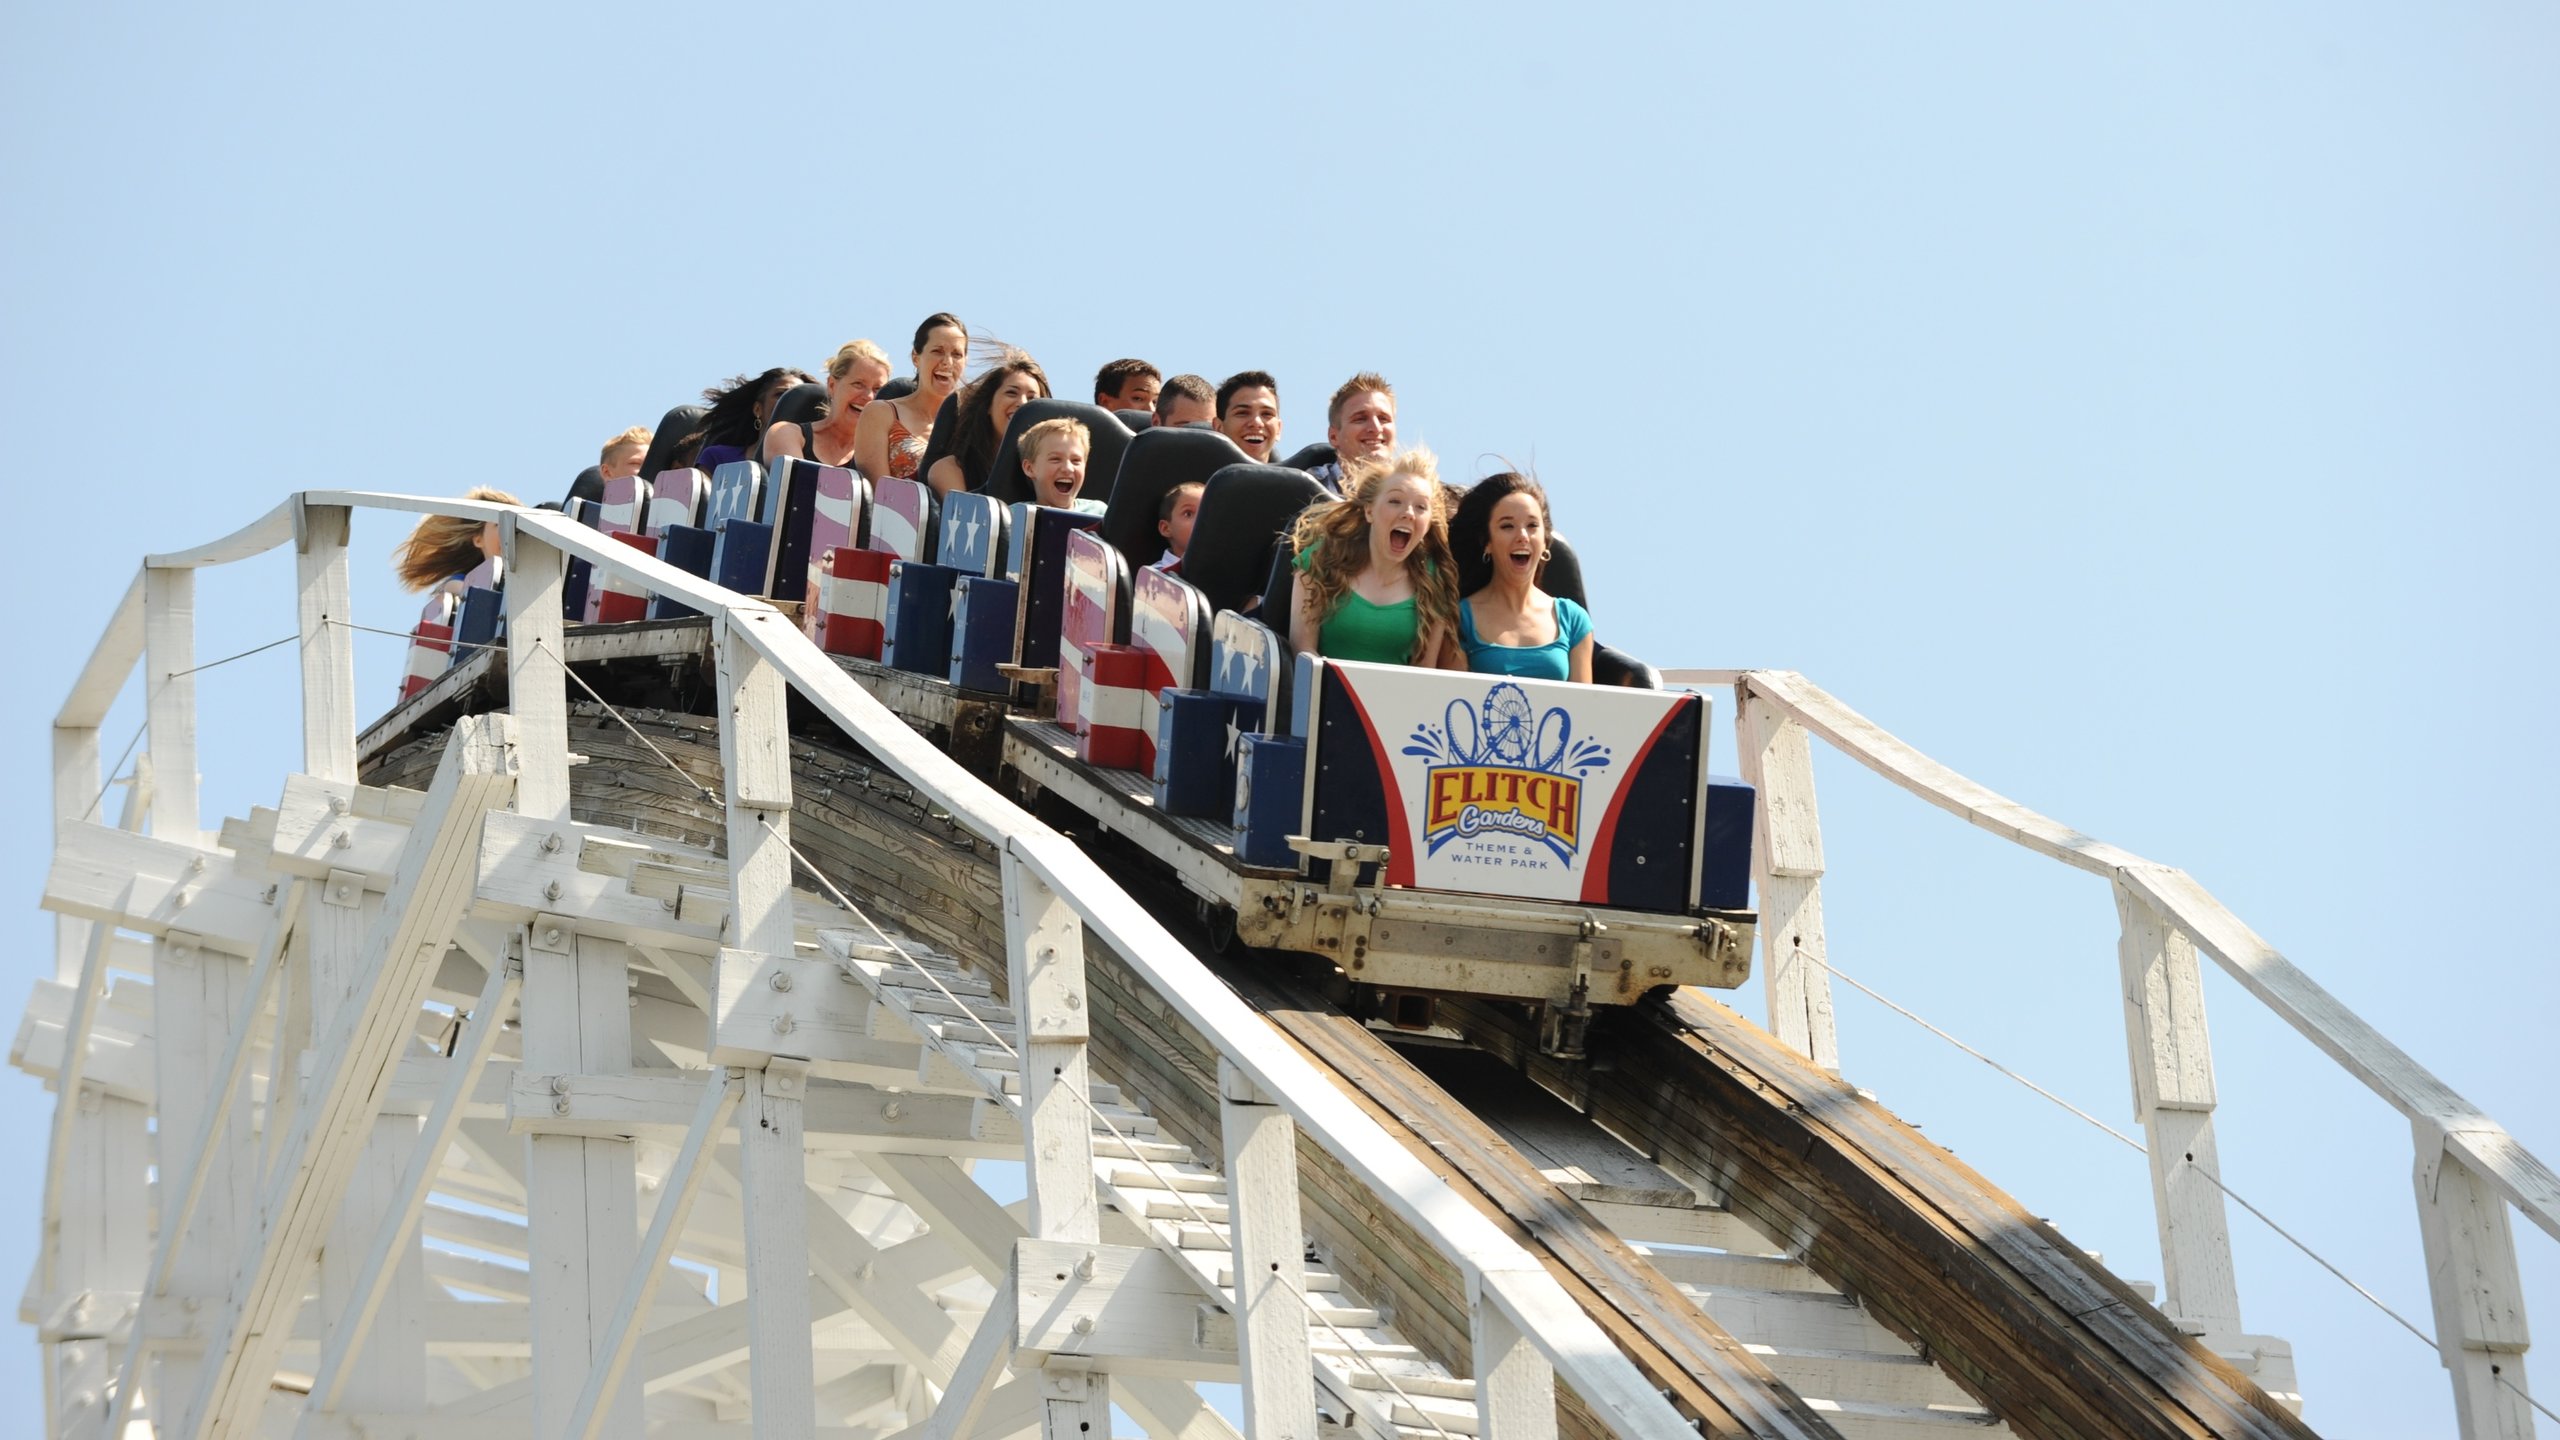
pixel 898 389
pixel 588 486
pixel 1564 572
pixel 672 427
pixel 944 439
pixel 800 402
pixel 1137 420
pixel 1004 479
pixel 1617 667
pixel 1243 514
pixel 1276 591
pixel 1311 456
pixel 1156 462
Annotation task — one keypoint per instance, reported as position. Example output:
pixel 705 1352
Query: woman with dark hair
pixel 1507 625
pixel 986 408
pixel 891 436
pixel 737 417
pixel 1376 581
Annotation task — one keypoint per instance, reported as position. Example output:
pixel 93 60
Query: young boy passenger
pixel 1053 455
pixel 1174 519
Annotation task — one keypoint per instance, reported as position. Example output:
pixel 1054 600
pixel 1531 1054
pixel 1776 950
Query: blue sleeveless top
pixel 1551 661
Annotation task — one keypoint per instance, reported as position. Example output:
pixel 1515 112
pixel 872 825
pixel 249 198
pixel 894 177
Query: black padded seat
pixel 588 486
pixel 1311 456
pixel 800 402
pixel 1564 572
pixel 1156 463
pixel 672 427
pixel 1004 478
pixel 1245 511
pixel 1137 420
pixel 898 389
pixel 1617 667
pixel 945 437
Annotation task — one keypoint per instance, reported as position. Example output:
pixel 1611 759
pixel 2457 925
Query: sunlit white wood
pixel 352 1066
pixel 2481 1334
pixel 169 700
pixel 328 647
pixel 1044 958
pixel 110 663
pixel 982 1367
pixel 1786 865
pixel 1261 1144
pixel 582 1208
pixel 1515 1386
pixel 2173 1097
pixel 395 1230
pixel 155 886
pixel 720 1094
pixel 772 1171
pixel 77 787
pixel 1128 1309
pixel 248 542
pixel 537 683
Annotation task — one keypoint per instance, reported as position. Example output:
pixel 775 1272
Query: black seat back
pixel 1004 478
pixel 1564 573
pixel 1137 420
pixel 1311 456
pixel 1617 667
pixel 672 427
pixel 1157 462
pixel 945 438
pixel 898 389
pixel 800 402
pixel 1243 515
pixel 588 486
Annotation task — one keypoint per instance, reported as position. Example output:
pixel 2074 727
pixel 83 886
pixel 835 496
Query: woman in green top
pixel 1375 580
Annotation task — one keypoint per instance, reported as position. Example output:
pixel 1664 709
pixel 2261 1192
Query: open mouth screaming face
pixel 1399 516
pixel 1516 538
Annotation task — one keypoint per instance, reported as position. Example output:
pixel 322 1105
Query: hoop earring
pixel 1545 555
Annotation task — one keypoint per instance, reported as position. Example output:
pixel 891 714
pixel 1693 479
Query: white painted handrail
pixel 2472 1268
pixel 1511 1283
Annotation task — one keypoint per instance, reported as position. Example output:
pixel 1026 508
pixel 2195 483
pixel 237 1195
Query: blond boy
pixel 1053 455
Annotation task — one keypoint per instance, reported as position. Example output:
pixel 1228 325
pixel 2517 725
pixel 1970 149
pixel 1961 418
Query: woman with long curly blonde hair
pixel 1376 580
pixel 444 548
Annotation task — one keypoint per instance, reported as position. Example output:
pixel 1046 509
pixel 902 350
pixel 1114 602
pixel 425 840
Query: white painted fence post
pixel 1044 963
pixel 2479 1298
pixel 328 646
pixel 537 686
pixel 2173 1099
pixel 1515 1385
pixel 1786 867
pixel 1270 1260
pixel 169 700
pixel 755 762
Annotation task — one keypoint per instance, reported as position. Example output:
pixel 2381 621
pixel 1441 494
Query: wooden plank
pixel 772 1169
pixel 397 1227
pixel 169 700
pixel 537 685
pixel 1044 958
pixel 77 789
pixel 1130 1310
pixel 2478 1295
pixel 157 886
pixel 2173 1097
pixel 110 663
pixel 1515 1385
pixel 425 906
pixel 1786 863
pixel 328 647
pixel 1270 1261
pixel 248 542
pixel 720 1093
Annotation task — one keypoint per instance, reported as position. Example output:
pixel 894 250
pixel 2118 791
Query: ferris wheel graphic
pixel 1506 728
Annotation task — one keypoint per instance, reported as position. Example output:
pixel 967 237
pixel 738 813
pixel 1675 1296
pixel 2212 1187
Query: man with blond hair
pixel 1360 424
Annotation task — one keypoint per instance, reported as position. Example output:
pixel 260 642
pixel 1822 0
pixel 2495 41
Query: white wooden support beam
pixel 198 993
pixel 77 788
pixel 1515 1385
pixel 328 646
pixel 1261 1144
pixel 982 1367
pixel 755 761
pixel 773 1180
pixel 2479 1298
pixel 1786 866
pixel 351 1070
pixel 582 1205
pixel 169 700
pixel 1128 1309
pixel 2173 1097
pixel 720 1094
pixel 395 1233
pixel 537 679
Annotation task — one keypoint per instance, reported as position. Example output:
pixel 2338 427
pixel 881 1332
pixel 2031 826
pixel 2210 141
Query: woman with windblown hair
pixel 445 548
pixel 1376 580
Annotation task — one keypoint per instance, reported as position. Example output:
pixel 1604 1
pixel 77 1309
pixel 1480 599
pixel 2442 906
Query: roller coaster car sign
pixel 1533 789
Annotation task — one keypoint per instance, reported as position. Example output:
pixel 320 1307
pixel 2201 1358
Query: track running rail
pixel 2468 1168
pixel 1526 1329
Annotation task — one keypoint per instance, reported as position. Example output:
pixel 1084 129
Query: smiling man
pixel 1249 413
pixel 1360 424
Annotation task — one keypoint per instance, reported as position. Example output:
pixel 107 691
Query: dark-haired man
pixel 1249 413
pixel 1127 385
pixel 1186 400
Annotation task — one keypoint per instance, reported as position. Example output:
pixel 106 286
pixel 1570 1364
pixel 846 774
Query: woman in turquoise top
pixel 1509 626
pixel 1376 581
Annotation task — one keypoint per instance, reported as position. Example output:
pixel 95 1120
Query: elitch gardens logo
pixel 1503 768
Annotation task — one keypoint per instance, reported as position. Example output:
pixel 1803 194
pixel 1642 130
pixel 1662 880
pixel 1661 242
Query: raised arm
pixel 1303 627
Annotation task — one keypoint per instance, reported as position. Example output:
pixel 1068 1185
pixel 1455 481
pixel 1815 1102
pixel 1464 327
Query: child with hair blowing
pixel 444 548
pixel 1376 580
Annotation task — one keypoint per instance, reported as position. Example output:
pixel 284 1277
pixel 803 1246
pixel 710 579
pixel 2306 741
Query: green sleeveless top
pixel 1360 629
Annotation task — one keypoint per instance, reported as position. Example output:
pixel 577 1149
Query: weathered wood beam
pixel 1786 864
pixel 328 647
pixel 2481 1334
pixel 1267 1241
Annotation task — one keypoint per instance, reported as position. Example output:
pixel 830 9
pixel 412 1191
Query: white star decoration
pixel 1232 734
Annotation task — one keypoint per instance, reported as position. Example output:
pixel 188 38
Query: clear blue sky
pixel 2149 412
